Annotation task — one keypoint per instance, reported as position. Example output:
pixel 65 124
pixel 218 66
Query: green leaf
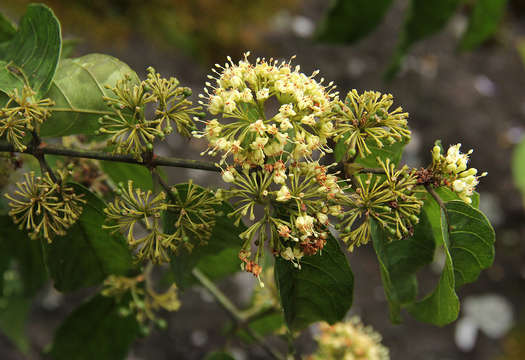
pixel 424 18
pixel 441 307
pixel 7 29
pixel 431 208
pixel 27 254
pixel 471 241
pixel 33 52
pixel 218 258
pixel 468 243
pixel 95 330
pixel 483 22
pixel 399 261
pixel 219 355
pixel 394 152
pixel 350 20
pixel 14 311
pixel 518 167
pixel 322 290
pixel 88 253
pixel 10 78
pixel 77 91
pixel 122 172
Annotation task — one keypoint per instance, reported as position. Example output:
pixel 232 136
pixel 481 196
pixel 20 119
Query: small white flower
pixel 227 176
pixel 323 218
pixel 258 127
pixel 305 224
pixel 283 194
pixel 308 120
pixel 279 177
pixel 285 124
pixel 263 94
pixel 259 143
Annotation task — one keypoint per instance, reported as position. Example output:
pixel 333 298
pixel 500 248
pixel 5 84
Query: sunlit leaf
pixel 77 91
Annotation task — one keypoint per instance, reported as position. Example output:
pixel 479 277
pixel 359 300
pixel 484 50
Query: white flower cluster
pixel 349 340
pixel 453 166
pixel 301 125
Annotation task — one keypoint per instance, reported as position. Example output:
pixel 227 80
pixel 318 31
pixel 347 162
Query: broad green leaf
pixel 471 241
pixel 394 152
pixel 219 355
pixel 77 91
pixel 441 307
pixel 350 20
pixel 122 172
pixel 13 316
pixel 95 330
pixel 16 246
pixel 322 290
pixel 7 29
pixel 33 52
pixel 518 167
pixel 399 260
pixel 431 208
pixel 468 243
pixel 424 18
pixel 88 253
pixel 216 259
pixel 10 78
pixel 483 22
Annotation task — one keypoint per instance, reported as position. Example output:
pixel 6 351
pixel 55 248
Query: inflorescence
pixel 130 129
pixel 44 207
pixel 349 340
pixel 137 297
pixel 451 170
pixel 272 127
pixel 22 113
pixel 365 119
pixel 142 216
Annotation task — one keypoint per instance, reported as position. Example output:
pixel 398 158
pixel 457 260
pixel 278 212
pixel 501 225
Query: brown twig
pixel 48 149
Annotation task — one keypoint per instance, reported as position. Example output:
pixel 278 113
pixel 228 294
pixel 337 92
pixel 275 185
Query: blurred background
pixel 475 97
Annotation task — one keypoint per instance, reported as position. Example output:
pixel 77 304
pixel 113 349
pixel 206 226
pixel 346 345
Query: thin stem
pixel 36 150
pixel 100 155
pixel 230 308
pixel 439 201
pixel 162 183
pixel 378 171
pixel 84 111
pixel 234 313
